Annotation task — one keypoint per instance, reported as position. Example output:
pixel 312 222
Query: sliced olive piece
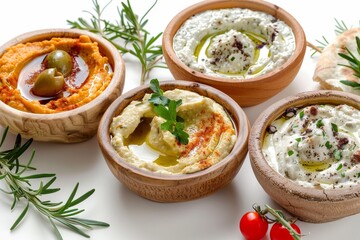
pixel 60 60
pixel 50 82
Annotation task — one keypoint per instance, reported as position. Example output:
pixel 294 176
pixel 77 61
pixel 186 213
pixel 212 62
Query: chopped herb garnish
pixel 342 174
pixel 319 123
pixel 334 127
pixel 232 59
pixel 295 126
pixel 328 145
pixel 358 175
pixel 298 139
pixel 290 152
pixel 339 167
pixel 337 154
pixel 301 114
pixel 166 108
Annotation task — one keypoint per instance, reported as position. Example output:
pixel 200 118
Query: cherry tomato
pixel 253 226
pixel 279 232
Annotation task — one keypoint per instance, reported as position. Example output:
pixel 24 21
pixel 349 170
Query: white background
pixel 130 216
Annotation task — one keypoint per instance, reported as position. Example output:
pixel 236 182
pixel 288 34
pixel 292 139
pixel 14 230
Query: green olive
pixel 60 60
pixel 49 83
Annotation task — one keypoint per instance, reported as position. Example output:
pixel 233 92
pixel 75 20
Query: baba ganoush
pixel 138 138
pixel 316 146
pixel 234 43
pixel 22 65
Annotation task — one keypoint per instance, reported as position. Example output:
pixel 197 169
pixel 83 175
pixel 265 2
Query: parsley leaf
pixel 166 108
pixel 334 127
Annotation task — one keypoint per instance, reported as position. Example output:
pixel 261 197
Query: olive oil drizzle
pixel 140 137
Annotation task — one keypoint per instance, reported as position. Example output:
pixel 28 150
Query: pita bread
pixel 328 72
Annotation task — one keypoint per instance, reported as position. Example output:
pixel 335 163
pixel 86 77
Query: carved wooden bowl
pixel 181 187
pixel 308 204
pixel 69 126
pixel 246 92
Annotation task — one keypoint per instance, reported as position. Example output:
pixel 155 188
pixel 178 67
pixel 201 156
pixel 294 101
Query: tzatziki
pixel 234 43
pixel 316 146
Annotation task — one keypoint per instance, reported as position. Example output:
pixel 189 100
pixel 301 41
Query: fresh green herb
pixel 340 27
pixel 337 154
pixel 12 172
pixel 232 59
pixel 358 175
pixel 298 139
pixel 166 108
pixel 354 64
pixel 129 30
pixel 343 174
pixel 301 114
pixel 339 167
pixel 328 145
pixel 319 123
pixel 290 152
pixel 334 127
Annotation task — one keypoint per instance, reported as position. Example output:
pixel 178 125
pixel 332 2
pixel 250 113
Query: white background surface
pixel 130 216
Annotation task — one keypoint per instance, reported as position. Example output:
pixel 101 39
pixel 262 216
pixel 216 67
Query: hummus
pixel 317 146
pixel 19 65
pixel 234 43
pixel 139 139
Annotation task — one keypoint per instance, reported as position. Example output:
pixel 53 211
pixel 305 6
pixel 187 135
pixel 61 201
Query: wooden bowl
pixel 246 92
pixel 69 126
pixel 308 204
pixel 181 187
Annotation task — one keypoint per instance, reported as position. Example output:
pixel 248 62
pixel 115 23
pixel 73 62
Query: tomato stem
pixel 280 218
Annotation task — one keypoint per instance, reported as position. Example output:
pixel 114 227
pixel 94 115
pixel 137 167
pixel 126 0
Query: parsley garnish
pixel 339 167
pixel 328 145
pixel 166 108
pixel 290 152
pixel 298 139
pixel 319 123
pixel 337 154
pixel 334 127
pixel 301 114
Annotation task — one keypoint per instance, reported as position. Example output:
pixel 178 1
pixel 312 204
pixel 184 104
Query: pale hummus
pixel 138 138
pixel 234 43
pixel 317 146
pixel 20 63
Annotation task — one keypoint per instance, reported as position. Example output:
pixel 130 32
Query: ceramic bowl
pixel 246 92
pixel 180 187
pixel 69 126
pixel 308 204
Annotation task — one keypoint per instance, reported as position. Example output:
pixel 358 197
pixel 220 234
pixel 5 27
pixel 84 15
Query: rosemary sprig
pixel 354 64
pixel 340 27
pixel 166 108
pixel 14 174
pixel 128 30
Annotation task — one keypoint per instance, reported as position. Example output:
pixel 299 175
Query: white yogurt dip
pixel 234 43
pixel 317 146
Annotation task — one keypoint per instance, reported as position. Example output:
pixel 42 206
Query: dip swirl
pixel 139 139
pixel 234 43
pixel 317 146
pixel 20 58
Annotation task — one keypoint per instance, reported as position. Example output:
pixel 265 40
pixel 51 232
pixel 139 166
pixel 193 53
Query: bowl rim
pixel 43 34
pixel 260 164
pixel 280 13
pixel 104 135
